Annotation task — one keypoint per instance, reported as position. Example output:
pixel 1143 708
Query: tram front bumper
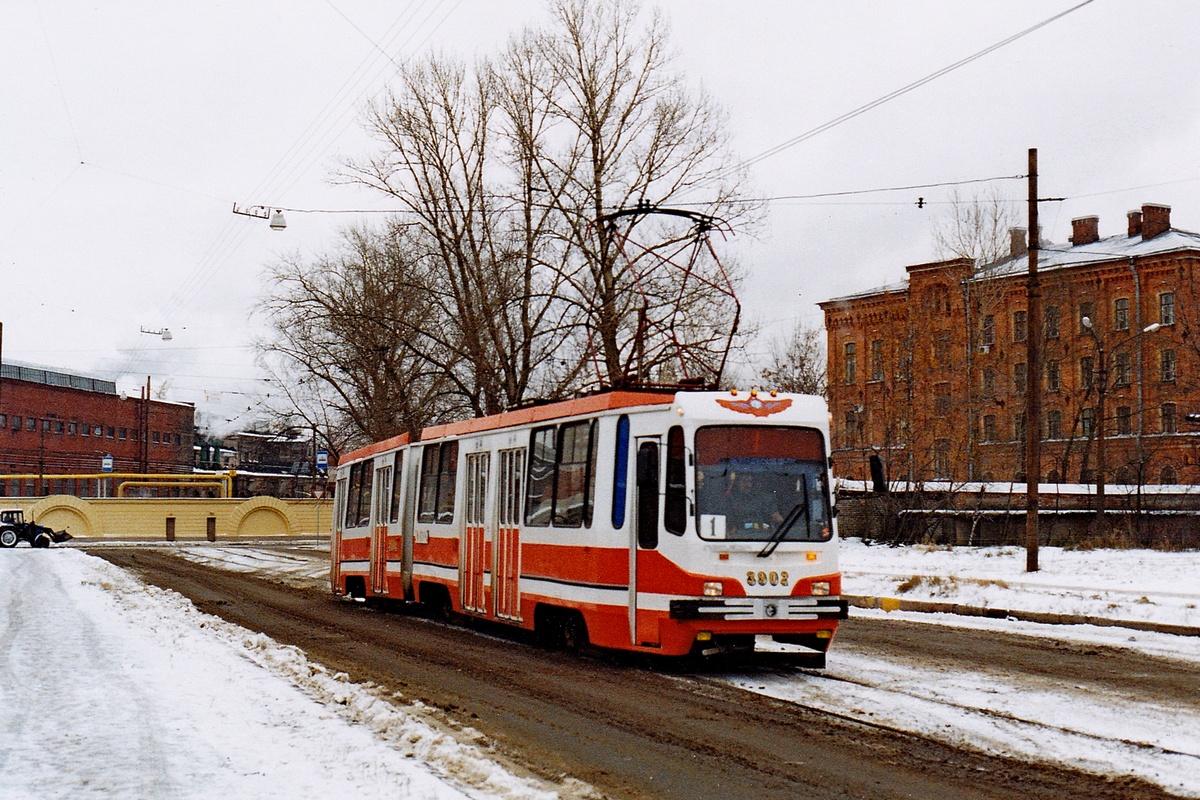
pixel 761 608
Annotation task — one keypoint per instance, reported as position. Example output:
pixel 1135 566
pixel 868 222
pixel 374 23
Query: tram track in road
pixel 1032 729
pixel 629 732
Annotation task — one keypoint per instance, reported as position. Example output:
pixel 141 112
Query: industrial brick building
pixel 930 375
pixel 54 423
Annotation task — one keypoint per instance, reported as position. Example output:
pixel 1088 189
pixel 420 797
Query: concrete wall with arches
pixel 177 519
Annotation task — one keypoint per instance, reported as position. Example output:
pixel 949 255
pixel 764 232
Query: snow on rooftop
pixel 1057 256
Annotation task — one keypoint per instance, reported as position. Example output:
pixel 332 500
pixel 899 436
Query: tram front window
pixel 752 481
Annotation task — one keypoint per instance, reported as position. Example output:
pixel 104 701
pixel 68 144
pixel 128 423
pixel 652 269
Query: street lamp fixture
pixel 165 333
pixel 1101 380
pixel 277 221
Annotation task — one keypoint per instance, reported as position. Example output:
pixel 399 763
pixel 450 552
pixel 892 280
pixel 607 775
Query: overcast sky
pixel 129 129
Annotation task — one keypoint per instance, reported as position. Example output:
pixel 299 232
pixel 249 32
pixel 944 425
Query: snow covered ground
pixel 113 689
pixel 109 688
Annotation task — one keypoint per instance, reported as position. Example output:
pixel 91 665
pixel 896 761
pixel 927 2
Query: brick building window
pixel 989 427
pixel 3 421
pixel 877 360
pixel 989 381
pixel 988 336
pixel 85 429
pixel 1020 326
pixel 1020 378
pixel 941 459
pixel 98 431
pixel 1121 369
pixel 16 423
pixel 155 437
pixel 1166 361
pixel 1086 311
pixel 1121 314
pixel 1167 418
pixel 1052 317
pixel 1087 421
pixel 1019 426
pixel 941 350
pixel 72 428
pixel 1053 424
pixel 122 434
pixel 1166 308
pixel 1087 372
pixel 1053 376
pixel 850 363
pixel 942 399
pixel 58 427
pixel 111 432
pixel 1124 421
pixel 45 426
pixel 30 424
pixel 1167 475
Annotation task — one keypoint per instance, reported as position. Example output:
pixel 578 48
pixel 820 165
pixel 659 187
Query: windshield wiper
pixel 787 523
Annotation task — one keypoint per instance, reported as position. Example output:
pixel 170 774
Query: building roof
pixel 19 371
pixel 1057 256
pixel 1113 248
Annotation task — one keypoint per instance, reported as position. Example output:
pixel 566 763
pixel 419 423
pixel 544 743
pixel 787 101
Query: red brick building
pixel 54 423
pixel 929 375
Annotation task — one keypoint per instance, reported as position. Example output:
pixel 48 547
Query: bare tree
pixel 498 281
pixel 797 362
pixel 976 227
pixel 440 159
pixel 628 131
pixel 355 338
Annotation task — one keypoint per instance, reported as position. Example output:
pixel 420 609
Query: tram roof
pixel 377 447
pixel 557 410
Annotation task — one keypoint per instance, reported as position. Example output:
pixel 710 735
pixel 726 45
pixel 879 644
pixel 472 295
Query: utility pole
pixel 1033 379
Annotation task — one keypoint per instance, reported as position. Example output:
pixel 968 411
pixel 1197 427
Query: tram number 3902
pixel 765 578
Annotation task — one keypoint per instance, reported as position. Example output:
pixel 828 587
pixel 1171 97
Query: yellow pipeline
pixel 162 479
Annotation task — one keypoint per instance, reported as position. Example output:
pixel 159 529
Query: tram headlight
pixel 715 589
pixel 820 588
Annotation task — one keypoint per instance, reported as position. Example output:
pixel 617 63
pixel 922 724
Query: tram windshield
pixel 761 483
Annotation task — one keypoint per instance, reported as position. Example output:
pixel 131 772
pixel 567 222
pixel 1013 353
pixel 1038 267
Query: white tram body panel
pixel 661 522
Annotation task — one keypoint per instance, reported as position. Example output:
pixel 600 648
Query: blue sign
pixel 106 463
pixel 322 459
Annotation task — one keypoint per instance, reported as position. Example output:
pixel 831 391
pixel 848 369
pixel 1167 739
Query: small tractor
pixel 14 529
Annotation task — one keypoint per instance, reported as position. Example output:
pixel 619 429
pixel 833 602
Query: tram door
pixel 643 534
pixel 506 555
pixel 473 558
pixel 381 494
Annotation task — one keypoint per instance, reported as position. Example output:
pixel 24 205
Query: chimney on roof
pixel 1156 219
pixel 1135 223
pixel 1017 246
pixel 1085 230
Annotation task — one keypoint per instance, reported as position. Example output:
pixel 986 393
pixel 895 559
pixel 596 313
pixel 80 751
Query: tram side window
pixel 397 467
pixel 539 492
pixel 439 464
pixel 675 502
pixel 575 479
pixel 358 496
pixel 349 503
pixel 561 490
pixel 447 483
pixel 366 478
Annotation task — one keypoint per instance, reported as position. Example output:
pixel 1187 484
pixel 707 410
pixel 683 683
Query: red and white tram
pixel 663 522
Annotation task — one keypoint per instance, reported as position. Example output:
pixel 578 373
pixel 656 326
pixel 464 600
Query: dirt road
pixel 629 731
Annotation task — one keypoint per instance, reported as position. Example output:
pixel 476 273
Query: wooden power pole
pixel 1033 376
